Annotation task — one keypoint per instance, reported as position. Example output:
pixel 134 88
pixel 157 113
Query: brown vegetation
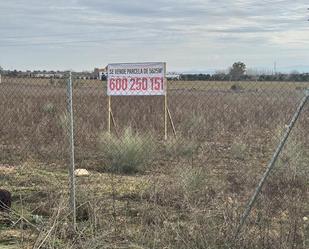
pixel 193 190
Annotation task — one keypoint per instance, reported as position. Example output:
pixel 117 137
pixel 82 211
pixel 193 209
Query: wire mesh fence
pixel 141 190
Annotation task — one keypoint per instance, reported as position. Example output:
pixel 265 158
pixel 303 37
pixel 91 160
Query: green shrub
pixel 192 180
pixel 49 108
pixel 130 153
pixel 236 87
pixel 294 157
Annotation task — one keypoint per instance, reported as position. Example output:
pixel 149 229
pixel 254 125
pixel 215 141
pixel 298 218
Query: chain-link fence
pixel 135 189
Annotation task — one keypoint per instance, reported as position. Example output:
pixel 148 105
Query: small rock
pixel 81 172
pixel 305 218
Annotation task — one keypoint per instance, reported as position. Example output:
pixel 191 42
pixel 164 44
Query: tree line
pixel 238 72
pixel 300 77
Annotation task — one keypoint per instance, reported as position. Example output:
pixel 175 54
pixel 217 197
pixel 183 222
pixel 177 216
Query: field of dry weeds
pixel 144 192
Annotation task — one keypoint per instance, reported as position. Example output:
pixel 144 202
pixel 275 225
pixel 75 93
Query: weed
pixel 131 153
pixel 49 108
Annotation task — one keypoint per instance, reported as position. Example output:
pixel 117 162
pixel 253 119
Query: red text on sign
pixel 136 84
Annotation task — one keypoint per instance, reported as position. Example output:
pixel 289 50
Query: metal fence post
pixel 272 163
pixel 71 151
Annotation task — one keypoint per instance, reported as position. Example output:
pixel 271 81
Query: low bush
pixel 129 153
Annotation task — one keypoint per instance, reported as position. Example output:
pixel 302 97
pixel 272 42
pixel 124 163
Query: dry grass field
pixel 144 192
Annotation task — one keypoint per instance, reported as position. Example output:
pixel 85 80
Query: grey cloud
pixel 159 15
pixel 163 23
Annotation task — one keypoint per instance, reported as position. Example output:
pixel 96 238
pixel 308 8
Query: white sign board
pixel 136 79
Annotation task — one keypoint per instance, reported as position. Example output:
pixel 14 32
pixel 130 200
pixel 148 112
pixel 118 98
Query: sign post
pixel 165 105
pixel 137 79
pixel 109 113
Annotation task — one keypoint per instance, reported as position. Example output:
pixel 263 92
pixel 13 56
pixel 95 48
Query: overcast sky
pixel 188 35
